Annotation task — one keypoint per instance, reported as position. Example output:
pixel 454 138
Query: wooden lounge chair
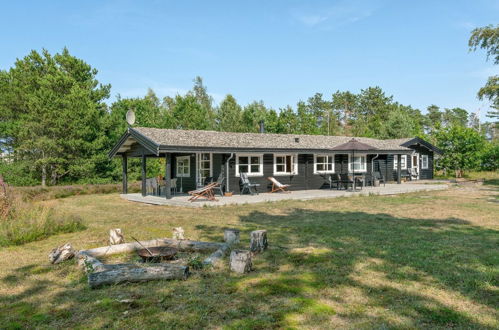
pixel 204 192
pixel 246 185
pixel 277 186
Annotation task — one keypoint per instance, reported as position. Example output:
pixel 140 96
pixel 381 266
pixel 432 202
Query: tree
pixel 345 106
pixel 488 38
pixel 462 148
pixel 455 117
pixel 200 94
pixel 54 112
pixel 229 115
pixel 253 113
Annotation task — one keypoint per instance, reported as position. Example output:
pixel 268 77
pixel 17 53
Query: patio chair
pixel 173 186
pixel 203 192
pixel 345 180
pixel 378 176
pixel 152 186
pixel 334 179
pixel 246 185
pixel 277 186
pixel 405 174
pixel 221 184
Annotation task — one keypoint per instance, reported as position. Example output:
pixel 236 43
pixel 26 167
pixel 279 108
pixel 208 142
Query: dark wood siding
pixel 305 179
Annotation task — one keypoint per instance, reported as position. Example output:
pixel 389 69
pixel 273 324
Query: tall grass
pixel 22 222
pixel 39 193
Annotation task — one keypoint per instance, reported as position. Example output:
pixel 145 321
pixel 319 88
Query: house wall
pixel 305 179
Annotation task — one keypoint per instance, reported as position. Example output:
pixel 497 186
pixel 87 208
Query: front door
pixel 415 165
pixel 204 167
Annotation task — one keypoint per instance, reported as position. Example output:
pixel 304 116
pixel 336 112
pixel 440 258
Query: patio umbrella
pixel 352 146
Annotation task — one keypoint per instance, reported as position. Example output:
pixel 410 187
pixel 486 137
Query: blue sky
pixel 276 51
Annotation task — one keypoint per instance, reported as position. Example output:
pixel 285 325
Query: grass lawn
pixel 419 260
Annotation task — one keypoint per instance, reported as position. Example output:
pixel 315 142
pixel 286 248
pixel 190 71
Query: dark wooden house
pixel 303 161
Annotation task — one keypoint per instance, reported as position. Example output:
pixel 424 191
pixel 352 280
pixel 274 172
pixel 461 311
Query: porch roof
pixel 158 140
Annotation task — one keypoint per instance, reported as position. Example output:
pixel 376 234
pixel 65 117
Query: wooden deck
pixel 182 200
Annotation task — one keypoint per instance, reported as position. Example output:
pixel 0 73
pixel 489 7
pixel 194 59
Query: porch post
pixel 399 167
pixel 124 163
pixel 168 175
pixel 144 174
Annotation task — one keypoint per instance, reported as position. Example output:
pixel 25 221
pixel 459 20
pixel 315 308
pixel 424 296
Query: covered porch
pixel 182 199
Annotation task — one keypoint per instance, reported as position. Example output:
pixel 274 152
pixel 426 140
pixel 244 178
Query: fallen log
pixel 181 245
pixel 89 263
pixel 115 274
pixel 216 256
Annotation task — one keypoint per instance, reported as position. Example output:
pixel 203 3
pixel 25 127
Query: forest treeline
pixel 56 127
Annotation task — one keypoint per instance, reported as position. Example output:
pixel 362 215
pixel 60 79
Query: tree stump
pixel 116 236
pixel 231 236
pixel 61 253
pixel 258 241
pixel 240 261
pixel 178 233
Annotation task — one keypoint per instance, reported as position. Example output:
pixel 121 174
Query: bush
pixel 22 222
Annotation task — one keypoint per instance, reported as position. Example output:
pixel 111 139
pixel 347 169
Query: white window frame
pixel 404 162
pixel 260 157
pixel 184 175
pixel 423 165
pixel 294 171
pixel 316 163
pixel 350 164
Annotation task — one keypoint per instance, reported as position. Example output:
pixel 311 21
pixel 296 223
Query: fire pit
pixel 157 254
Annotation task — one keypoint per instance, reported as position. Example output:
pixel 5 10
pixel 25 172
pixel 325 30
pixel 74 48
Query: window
pixel 251 164
pixel 403 162
pixel 285 164
pixel 184 166
pixel 323 164
pixel 204 167
pixel 358 164
pixel 424 162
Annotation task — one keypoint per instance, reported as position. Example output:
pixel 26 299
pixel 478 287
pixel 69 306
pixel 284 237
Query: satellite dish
pixel 130 117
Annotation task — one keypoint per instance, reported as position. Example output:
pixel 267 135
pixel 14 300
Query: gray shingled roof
pixel 212 139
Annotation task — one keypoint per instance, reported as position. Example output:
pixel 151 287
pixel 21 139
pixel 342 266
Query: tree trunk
pixel 240 261
pixel 258 241
pixel 44 175
pixel 53 176
pixel 115 274
pixel 116 236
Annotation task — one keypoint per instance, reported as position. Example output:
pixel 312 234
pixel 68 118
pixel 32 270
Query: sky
pixel 279 52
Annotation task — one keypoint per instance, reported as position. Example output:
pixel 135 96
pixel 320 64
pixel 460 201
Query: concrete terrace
pixel 181 200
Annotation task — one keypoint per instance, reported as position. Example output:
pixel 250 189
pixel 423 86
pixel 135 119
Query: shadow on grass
pixel 358 268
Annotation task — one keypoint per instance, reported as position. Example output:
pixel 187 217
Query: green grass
pixel 423 260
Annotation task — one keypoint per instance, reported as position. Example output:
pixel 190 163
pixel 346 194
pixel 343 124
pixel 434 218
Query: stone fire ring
pixel 100 274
